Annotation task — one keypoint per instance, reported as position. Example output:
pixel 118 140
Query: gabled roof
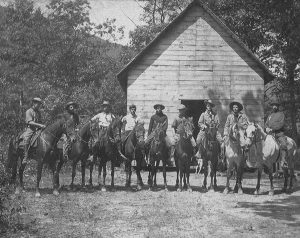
pixel 268 76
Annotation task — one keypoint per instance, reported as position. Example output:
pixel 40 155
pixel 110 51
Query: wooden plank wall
pixel 197 59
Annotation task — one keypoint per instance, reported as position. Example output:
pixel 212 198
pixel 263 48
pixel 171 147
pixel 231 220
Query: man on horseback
pixel 235 117
pixel 33 123
pixel 208 118
pixel 159 119
pixel 275 124
pixel 104 119
pixel 178 120
pixel 129 121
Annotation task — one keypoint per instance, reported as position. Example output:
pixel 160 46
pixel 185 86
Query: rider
pixel 33 123
pixel 104 119
pixel 129 121
pixel 275 124
pixel 67 139
pixel 236 116
pixel 159 119
pixel 207 118
pixel 182 115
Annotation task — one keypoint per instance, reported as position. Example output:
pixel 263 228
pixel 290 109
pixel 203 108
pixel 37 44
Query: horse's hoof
pixel 112 189
pixel 226 191
pixel 240 191
pixel 139 187
pixel 37 195
pixel 166 189
pixel 55 192
pixel 179 189
pixel 290 190
pixel 271 193
pixel 90 185
pixel 190 190
pixel 283 190
pixel 176 186
pixel 257 192
pixel 103 189
pixel 83 187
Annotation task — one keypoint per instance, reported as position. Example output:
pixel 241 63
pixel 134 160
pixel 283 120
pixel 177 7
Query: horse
pixel 267 152
pixel 183 154
pixel 209 151
pixel 44 153
pixel 79 152
pixel 234 152
pixel 133 149
pixel 158 152
pixel 107 149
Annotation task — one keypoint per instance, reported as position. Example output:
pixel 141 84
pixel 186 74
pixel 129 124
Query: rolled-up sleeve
pixel 29 116
pixel 201 120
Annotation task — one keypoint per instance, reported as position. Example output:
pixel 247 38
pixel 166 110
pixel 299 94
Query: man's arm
pixel 165 124
pixel 226 127
pixel 29 120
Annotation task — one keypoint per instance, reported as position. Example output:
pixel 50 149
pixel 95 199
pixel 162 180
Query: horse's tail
pixel 12 159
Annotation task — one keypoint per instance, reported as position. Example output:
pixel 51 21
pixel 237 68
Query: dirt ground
pixel 121 213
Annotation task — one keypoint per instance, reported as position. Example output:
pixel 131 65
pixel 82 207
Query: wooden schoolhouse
pixel 196 57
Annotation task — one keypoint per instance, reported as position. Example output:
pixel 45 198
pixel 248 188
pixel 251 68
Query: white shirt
pixel 103 119
pixel 130 121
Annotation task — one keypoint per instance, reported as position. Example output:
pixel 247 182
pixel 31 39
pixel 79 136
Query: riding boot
pixel 283 161
pixel 26 151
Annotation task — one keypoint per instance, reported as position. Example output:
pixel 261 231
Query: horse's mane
pixel 59 119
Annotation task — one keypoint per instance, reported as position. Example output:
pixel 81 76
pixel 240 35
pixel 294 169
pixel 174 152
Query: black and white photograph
pixel 149 118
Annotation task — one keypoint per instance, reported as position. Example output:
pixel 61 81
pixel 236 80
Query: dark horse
pixel 209 151
pixel 79 152
pixel 44 152
pixel 133 148
pixel 158 152
pixel 107 149
pixel 183 153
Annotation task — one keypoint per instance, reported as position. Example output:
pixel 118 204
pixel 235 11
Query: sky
pixel 126 12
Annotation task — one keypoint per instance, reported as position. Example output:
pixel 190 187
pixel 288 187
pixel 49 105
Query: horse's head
pixel 139 131
pixel 158 141
pixel 211 132
pixel 114 129
pixel 186 128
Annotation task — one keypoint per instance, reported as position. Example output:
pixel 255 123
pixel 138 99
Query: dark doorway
pixel 195 108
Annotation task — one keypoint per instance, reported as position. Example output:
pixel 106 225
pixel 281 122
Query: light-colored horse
pixel 234 156
pixel 267 151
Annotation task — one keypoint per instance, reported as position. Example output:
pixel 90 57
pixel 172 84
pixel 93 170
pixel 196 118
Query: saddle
pixel 33 140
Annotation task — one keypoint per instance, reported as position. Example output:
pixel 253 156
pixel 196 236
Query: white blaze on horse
pixel 264 151
pixel 234 156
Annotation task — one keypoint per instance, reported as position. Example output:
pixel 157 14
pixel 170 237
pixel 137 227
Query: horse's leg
pixel 285 173
pixel 58 168
pixel 290 189
pixel 99 172
pixel 229 169
pixel 180 180
pixel 155 173
pixel 165 174
pixel 112 174
pixel 128 172
pixel 188 178
pixel 239 178
pixel 205 167
pixel 38 177
pixel 257 190
pixel 103 189
pixel 55 188
pixel 83 163
pixel 138 174
pixel 91 174
pixel 73 174
pixel 177 172
pixel 21 172
pixel 211 174
pixel 271 192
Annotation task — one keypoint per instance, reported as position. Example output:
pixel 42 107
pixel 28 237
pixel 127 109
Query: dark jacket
pixel 158 119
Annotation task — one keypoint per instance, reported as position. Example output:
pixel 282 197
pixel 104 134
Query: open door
pixel 194 109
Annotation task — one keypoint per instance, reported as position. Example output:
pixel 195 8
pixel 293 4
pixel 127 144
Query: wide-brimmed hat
pixel 159 105
pixel 181 107
pixel 71 103
pixel 37 99
pixel 209 102
pixel 132 106
pixel 106 103
pixel 240 106
pixel 275 102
